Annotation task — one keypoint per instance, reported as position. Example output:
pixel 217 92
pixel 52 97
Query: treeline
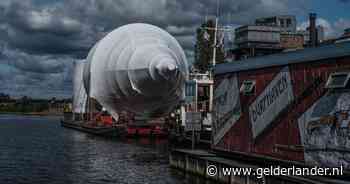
pixel 24 107
pixel 28 105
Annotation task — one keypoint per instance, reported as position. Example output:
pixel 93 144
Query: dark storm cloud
pixel 34 63
pixel 72 27
pixel 25 18
pixel 42 38
pixel 19 82
pixel 44 31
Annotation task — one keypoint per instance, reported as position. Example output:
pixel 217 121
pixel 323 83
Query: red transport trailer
pixel 292 106
pixel 145 130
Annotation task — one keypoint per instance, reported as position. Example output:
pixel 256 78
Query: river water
pixel 35 150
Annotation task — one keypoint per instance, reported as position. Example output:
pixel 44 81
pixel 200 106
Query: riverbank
pixel 32 113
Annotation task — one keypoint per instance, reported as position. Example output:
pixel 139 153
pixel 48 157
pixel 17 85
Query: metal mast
pixel 216 30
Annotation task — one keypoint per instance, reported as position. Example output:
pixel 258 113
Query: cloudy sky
pixel 40 39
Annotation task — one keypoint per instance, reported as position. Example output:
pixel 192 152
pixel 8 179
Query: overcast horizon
pixel 39 39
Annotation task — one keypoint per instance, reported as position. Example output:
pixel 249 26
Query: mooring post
pixel 193 137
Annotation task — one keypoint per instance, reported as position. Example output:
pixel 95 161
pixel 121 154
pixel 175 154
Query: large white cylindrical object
pixel 139 68
pixel 79 94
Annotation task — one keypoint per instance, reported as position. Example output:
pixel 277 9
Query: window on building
pixel 281 23
pixel 190 88
pixel 338 80
pixel 248 87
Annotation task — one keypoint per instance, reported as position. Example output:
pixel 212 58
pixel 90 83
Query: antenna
pixel 216 30
pixel 206 15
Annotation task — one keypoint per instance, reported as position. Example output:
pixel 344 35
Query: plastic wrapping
pixel 139 68
pixel 79 94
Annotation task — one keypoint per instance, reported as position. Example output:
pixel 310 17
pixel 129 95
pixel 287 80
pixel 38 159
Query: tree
pixel 204 47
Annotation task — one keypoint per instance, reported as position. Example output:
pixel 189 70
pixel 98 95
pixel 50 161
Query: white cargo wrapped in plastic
pixel 139 68
pixel 79 94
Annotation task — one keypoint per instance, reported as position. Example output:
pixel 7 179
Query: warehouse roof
pixel 285 58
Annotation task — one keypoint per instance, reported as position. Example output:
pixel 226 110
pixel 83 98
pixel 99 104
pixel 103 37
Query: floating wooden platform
pixel 113 131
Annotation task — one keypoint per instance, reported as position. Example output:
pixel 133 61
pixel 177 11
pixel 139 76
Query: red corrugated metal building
pixel 291 106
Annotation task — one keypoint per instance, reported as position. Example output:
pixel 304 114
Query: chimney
pixel 313 30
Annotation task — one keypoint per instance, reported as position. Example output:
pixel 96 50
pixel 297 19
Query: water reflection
pixel 39 150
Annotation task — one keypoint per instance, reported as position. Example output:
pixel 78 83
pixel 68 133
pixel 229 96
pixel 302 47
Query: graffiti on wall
pixel 275 97
pixel 325 130
pixel 227 106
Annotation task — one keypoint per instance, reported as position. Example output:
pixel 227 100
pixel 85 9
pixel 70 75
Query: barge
pixel 106 126
pixel 87 127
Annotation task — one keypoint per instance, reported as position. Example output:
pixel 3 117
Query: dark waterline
pixel 38 150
